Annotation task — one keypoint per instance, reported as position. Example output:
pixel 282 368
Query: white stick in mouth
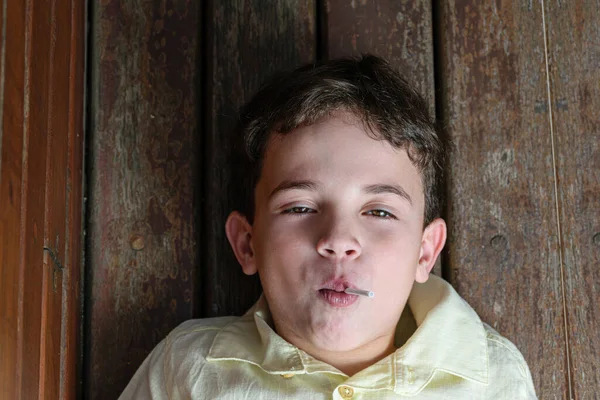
pixel 359 292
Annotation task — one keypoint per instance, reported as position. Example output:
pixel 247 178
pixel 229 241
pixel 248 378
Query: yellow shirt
pixel 445 352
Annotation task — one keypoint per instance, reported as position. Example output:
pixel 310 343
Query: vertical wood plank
pixel 574 63
pixel 33 190
pixel 400 32
pixel 56 192
pixel 503 239
pixel 70 339
pixel 143 143
pixel 34 160
pixel 248 41
pixel 11 175
pixel 3 5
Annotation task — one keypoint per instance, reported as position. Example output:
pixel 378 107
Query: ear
pixel 239 233
pixel 434 238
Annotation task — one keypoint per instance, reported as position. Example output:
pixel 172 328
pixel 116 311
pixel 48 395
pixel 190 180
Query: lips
pixel 338 285
pixel 332 292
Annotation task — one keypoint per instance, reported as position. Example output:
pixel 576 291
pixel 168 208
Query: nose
pixel 339 243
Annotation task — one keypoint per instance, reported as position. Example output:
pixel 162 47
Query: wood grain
pixel 248 41
pixel 11 175
pixel 400 32
pixel 70 387
pixel 56 192
pixel 142 173
pixel 574 59
pixel 33 191
pixel 3 4
pixel 503 238
pixel 34 197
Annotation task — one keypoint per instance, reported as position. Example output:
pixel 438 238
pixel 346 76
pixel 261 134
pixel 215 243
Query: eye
pixel 381 214
pixel 299 210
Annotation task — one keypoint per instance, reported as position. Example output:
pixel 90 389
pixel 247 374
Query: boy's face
pixel 336 209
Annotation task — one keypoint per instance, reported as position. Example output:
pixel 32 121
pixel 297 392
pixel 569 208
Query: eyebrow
pixel 370 189
pixel 388 189
pixel 294 185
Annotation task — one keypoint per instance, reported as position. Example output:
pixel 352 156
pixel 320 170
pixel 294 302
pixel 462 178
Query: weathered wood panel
pixel 34 198
pixel 503 237
pixel 11 175
pixel 400 32
pixel 38 101
pixel 247 42
pixel 142 172
pixel 2 60
pixel 57 89
pixel 574 63
pixel 71 347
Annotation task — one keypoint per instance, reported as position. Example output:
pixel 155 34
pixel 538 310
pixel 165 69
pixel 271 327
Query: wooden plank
pixel 400 32
pixel 70 377
pixel 3 4
pixel 283 36
pixel 11 175
pixel 34 159
pixel 574 60
pixel 143 172
pixel 503 239
pixel 33 189
pixel 56 192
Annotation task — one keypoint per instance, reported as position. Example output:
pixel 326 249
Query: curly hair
pixel 366 86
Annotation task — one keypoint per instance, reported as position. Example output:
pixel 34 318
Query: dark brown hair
pixel 367 87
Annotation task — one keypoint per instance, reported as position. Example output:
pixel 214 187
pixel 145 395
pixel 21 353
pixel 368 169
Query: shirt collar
pixel 449 337
pixel 251 339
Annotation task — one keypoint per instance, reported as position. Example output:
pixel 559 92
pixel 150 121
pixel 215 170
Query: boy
pixel 347 164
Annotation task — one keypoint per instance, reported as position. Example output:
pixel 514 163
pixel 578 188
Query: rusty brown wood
pixel 33 190
pixel 401 32
pixel 71 321
pixel 11 175
pixel 248 41
pixel 504 243
pixel 573 48
pixel 3 4
pixel 143 173
pixel 57 90
pixel 34 197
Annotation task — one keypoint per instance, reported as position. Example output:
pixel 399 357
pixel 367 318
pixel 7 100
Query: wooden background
pixel 516 85
pixel 42 56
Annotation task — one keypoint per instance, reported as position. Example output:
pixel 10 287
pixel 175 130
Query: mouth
pixel 336 285
pixel 333 293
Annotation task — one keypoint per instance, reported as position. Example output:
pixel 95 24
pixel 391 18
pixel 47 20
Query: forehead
pixel 338 151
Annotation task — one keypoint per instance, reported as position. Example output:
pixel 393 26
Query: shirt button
pixel 287 375
pixel 346 392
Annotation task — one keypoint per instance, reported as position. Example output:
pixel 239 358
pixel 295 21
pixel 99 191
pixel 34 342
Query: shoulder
pixel 194 338
pixel 182 351
pixel 198 329
pixel 509 375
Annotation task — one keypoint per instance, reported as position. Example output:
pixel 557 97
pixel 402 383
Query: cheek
pixel 280 250
pixel 395 238
pixel 287 234
pixel 396 255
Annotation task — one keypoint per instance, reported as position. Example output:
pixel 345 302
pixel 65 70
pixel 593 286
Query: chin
pixel 337 339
